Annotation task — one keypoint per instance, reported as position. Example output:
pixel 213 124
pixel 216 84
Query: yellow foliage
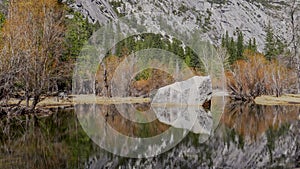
pixel 32 44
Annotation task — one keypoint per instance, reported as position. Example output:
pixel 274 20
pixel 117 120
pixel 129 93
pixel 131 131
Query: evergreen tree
pixel 188 54
pixel 78 32
pixel 232 51
pixel 177 48
pixel 250 44
pixel 279 47
pixel 270 50
pixel 240 46
pixel 223 42
pixel 254 46
pixel 227 39
pixel 157 41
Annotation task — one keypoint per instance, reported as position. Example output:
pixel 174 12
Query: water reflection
pixel 111 131
pixel 251 121
pixel 249 136
pixel 184 117
pixel 235 143
pixel 55 141
pixel 116 120
pixel 122 129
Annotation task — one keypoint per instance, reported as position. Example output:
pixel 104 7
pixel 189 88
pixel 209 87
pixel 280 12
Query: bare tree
pixel 32 46
pixel 256 76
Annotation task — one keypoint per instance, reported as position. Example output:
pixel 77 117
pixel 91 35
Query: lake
pixel 242 135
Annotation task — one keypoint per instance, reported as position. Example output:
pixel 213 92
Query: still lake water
pixel 245 136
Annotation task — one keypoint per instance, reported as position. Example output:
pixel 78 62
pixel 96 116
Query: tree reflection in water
pixel 248 136
pixel 252 120
pixel 55 141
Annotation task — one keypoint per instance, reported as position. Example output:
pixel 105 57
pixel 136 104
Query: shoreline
pixel 53 102
pixel 286 99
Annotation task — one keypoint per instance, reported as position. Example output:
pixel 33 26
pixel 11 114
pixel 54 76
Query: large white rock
pixel 179 104
pixel 194 91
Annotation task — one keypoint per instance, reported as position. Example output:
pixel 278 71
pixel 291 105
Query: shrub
pixel 256 76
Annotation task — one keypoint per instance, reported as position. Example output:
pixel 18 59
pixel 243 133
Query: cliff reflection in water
pixel 248 136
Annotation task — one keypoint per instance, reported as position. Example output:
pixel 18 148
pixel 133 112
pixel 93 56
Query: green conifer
pixel 240 46
pixel 270 50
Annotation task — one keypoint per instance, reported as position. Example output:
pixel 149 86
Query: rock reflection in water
pixel 111 127
pixel 193 118
pixel 111 131
pixel 249 136
pixel 118 122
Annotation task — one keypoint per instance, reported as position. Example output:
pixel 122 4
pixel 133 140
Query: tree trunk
pixel 36 100
pixel 27 98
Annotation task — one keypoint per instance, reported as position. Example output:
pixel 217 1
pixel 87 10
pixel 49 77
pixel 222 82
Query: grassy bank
pixel 53 102
pixel 287 99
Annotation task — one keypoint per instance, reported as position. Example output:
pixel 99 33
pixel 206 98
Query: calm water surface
pixel 247 136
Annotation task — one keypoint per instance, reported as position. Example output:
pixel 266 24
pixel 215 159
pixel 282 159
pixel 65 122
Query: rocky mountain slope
pixel 213 17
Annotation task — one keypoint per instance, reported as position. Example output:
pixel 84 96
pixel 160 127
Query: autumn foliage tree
pixel 31 48
pixel 257 76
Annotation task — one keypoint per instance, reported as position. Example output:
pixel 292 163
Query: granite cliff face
pixel 213 17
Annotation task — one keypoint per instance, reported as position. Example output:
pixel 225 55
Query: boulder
pixel 180 104
pixel 194 91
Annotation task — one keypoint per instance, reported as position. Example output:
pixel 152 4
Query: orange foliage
pixel 131 128
pixel 31 47
pixel 157 79
pixel 256 76
pixel 254 120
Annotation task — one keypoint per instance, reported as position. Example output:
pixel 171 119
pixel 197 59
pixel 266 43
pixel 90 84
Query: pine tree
pixel 232 51
pixel 254 46
pixel 78 32
pixel 269 49
pixel 177 48
pixel 240 46
pixel 250 44
pixel 223 42
pixel 279 47
pixel 188 54
pixel 227 39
